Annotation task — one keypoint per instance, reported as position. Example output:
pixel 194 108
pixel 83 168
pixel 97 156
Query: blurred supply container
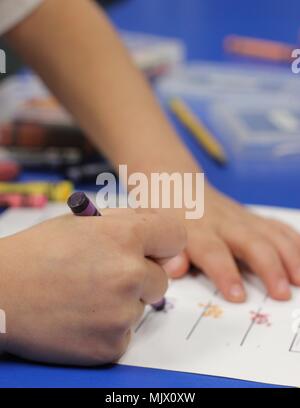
pixel 253 112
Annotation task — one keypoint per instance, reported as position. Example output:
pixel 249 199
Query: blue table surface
pixel 202 24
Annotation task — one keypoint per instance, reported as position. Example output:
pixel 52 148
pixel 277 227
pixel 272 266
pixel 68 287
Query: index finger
pixel 162 236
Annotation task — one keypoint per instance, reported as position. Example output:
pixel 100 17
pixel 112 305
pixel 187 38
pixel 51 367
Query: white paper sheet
pixel 199 332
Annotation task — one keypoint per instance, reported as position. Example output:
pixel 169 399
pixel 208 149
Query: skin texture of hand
pixel 229 232
pixel 125 121
pixel 73 287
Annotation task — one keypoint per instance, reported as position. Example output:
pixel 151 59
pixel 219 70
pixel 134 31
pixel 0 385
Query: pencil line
pixel 143 321
pixel 294 341
pixel 266 297
pixel 249 329
pixel 198 321
pixel 216 292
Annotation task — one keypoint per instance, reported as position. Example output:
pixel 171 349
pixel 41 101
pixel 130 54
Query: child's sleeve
pixel 14 11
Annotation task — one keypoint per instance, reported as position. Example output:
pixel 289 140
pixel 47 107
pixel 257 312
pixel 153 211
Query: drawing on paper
pixel 260 318
pixel 295 345
pixel 212 310
pixel 207 309
pixel 217 329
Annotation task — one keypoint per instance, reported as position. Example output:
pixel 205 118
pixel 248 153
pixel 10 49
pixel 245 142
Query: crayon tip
pixel 160 305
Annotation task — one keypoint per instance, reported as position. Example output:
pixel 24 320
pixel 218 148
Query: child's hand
pixel 73 287
pixel 228 232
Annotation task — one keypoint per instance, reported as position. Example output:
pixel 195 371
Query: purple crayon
pixel 160 305
pixel 82 206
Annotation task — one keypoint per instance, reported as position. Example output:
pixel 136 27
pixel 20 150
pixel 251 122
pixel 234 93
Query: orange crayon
pixel 259 48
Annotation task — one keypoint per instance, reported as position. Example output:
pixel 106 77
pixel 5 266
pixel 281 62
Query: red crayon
pixel 9 170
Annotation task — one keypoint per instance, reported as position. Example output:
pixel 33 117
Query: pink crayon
pixel 23 200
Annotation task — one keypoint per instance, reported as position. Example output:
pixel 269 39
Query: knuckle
pixel 137 225
pixel 130 274
pixel 164 281
pixel 257 246
pixel 99 353
pixel 135 271
pixel 279 226
pixel 211 249
pixel 114 356
pixel 116 349
pixel 123 322
pixel 118 231
pixel 240 231
pixel 274 223
pixel 140 211
pixel 127 235
pixel 182 235
pixel 96 354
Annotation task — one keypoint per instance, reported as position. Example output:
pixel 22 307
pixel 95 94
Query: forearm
pixel 80 57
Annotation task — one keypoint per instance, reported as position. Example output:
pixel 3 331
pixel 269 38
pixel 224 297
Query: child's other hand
pixel 73 287
pixel 228 232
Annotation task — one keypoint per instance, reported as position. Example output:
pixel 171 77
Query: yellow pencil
pixel 198 130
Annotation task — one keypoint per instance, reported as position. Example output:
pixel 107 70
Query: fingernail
pixel 283 287
pixel 237 292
